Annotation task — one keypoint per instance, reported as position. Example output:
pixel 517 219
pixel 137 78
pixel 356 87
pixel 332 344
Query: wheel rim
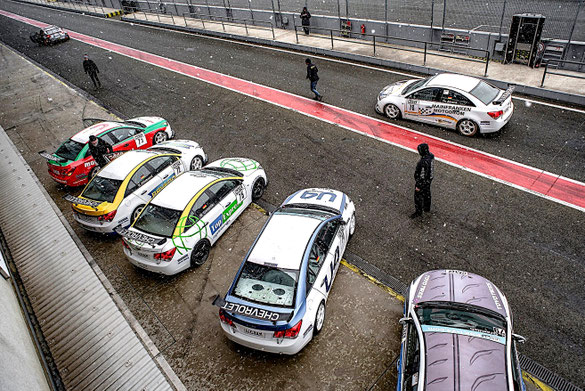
pixel 200 254
pixel 258 189
pixel 392 111
pixel 467 128
pixel 320 317
pixel 160 137
pixel 196 163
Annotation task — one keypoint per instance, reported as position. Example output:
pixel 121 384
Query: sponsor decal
pixel 307 331
pixel 50 156
pixel 494 295
pixel 161 186
pixel 423 286
pixel 251 312
pixel 332 266
pixel 137 236
pixel 112 156
pixel 140 139
pixel 186 223
pixel 469 333
pixel 307 195
pixel 239 193
pixel 239 164
pixel 176 144
pixel 461 273
pixel 125 220
pixel 224 217
pixel 89 164
pixel 177 167
pixel 81 201
pixel 182 259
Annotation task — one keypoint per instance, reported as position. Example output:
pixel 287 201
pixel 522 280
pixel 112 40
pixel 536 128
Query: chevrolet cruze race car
pixel 49 35
pixel 72 164
pixel 457 335
pixel 178 227
pixel 117 194
pixel 276 302
pixel 465 103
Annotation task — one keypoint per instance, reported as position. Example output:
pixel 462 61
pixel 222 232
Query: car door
pixel 452 107
pixel 329 242
pixel 166 168
pixel 230 196
pixel 204 212
pixel 123 139
pixel 419 104
pixel 141 185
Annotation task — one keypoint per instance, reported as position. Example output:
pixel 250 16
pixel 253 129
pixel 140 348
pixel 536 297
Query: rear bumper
pixel 286 346
pixel 496 125
pixel 71 181
pixel 166 268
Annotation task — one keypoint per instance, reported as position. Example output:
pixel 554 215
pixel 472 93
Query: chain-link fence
pixel 563 17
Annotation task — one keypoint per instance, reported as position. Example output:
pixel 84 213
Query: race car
pixel 49 36
pixel 178 227
pixel 72 164
pixel 464 103
pixel 277 300
pixel 117 194
pixel 457 335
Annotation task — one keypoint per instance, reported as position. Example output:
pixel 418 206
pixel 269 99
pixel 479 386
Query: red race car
pixel 72 164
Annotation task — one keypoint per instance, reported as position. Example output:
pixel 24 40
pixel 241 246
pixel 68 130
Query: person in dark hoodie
pixel 423 176
pixel 305 20
pixel 92 70
pixel 313 78
pixel 98 148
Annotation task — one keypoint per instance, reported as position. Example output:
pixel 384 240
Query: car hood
pixel 396 88
pixel 463 362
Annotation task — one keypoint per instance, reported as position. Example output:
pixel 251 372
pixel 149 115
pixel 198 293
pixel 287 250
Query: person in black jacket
pixel 314 78
pixel 305 16
pixel 98 148
pixel 423 176
pixel 90 68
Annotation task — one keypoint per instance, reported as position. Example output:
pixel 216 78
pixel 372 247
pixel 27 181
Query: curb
pixel 537 92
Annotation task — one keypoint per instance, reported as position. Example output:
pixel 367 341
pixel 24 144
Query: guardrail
pixel 382 42
pixel 548 62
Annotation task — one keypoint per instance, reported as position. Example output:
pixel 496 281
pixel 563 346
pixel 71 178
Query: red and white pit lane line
pixel 554 187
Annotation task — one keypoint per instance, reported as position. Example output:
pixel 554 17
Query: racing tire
pixel 352 225
pixel 200 253
pixel 136 213
pixel 392 111
pixel 258 189
pixel 319 319
pixel 196 163
pixel 159 137
pixel 467 127
pixel 93 172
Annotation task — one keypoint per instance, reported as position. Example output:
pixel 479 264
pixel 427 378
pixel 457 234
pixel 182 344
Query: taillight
pixel 108 216
pixel 167 255
pixel 495 114
pixel 223 317
pixel 293 332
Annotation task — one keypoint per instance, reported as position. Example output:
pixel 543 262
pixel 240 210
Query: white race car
pixel 117 194
pixel 277 300
pixel 465 103
pixel 178 227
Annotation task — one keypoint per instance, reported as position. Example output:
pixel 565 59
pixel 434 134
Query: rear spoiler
pixel 140 237
pixel 504 96
pixel 82 201
pixel 251 312
pixel 49 156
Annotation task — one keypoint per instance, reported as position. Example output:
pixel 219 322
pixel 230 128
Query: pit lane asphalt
pixel 530 247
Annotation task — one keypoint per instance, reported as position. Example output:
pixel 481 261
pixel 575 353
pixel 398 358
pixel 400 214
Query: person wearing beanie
pixel 423 176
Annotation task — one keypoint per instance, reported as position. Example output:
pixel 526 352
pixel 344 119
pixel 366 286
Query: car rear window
pixel 267 285
pixel 485 92
pixel 157 220
pixel 102 189
pixel 461 319
pixel 69 149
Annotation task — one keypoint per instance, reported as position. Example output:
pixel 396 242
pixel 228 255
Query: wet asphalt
pixel 532 248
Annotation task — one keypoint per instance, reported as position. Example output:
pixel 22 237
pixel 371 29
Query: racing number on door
pixel 140 139
pixel 332 267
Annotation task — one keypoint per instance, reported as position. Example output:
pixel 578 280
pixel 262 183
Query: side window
pixel 160 163
pixel 455 98
pixel 222 189
pixel 428 94
pixel 516 372
pixel 108 138
pixel 327 234
pixel 140 177
pixel 316 260
pixel 121 134
pixel 203 204
pixel 411 367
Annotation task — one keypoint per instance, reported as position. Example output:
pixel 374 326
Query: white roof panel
pixel 284 241
pixel 124 164
pixel 462 82
pixel 99 128
pixel 179 192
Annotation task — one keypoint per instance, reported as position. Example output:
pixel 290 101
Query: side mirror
pixel 405 320
pixel 518 338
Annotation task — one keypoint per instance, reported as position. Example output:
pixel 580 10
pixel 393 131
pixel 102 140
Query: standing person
pixel 98 148
pixel 90 68
pixel 423 176
pixel 313 77
pixel 305 16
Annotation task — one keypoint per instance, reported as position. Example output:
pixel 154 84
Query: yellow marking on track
pixel 373 280
pixel 528 378
pixel 261 209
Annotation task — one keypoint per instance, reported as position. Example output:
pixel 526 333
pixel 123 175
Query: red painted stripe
pixel 539 182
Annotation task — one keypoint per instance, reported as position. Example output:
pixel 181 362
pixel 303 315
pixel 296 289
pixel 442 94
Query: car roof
pixel 459 287
pixel 461 82
pixel 328 199
pixel 182 190
pixel 284 240
pixel 125 163
pixel 94 130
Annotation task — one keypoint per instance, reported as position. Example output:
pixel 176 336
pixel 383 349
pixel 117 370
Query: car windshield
pixel 460 318
pixel 267 285
pixel 415 85
pixel 221 171
pixel 157 220
pixel 102 189
pixel 485 92
pixel 69 149
pixel 298 209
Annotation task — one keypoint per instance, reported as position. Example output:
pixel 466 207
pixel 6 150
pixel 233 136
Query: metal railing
pixel 378 40
pixel 563 62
